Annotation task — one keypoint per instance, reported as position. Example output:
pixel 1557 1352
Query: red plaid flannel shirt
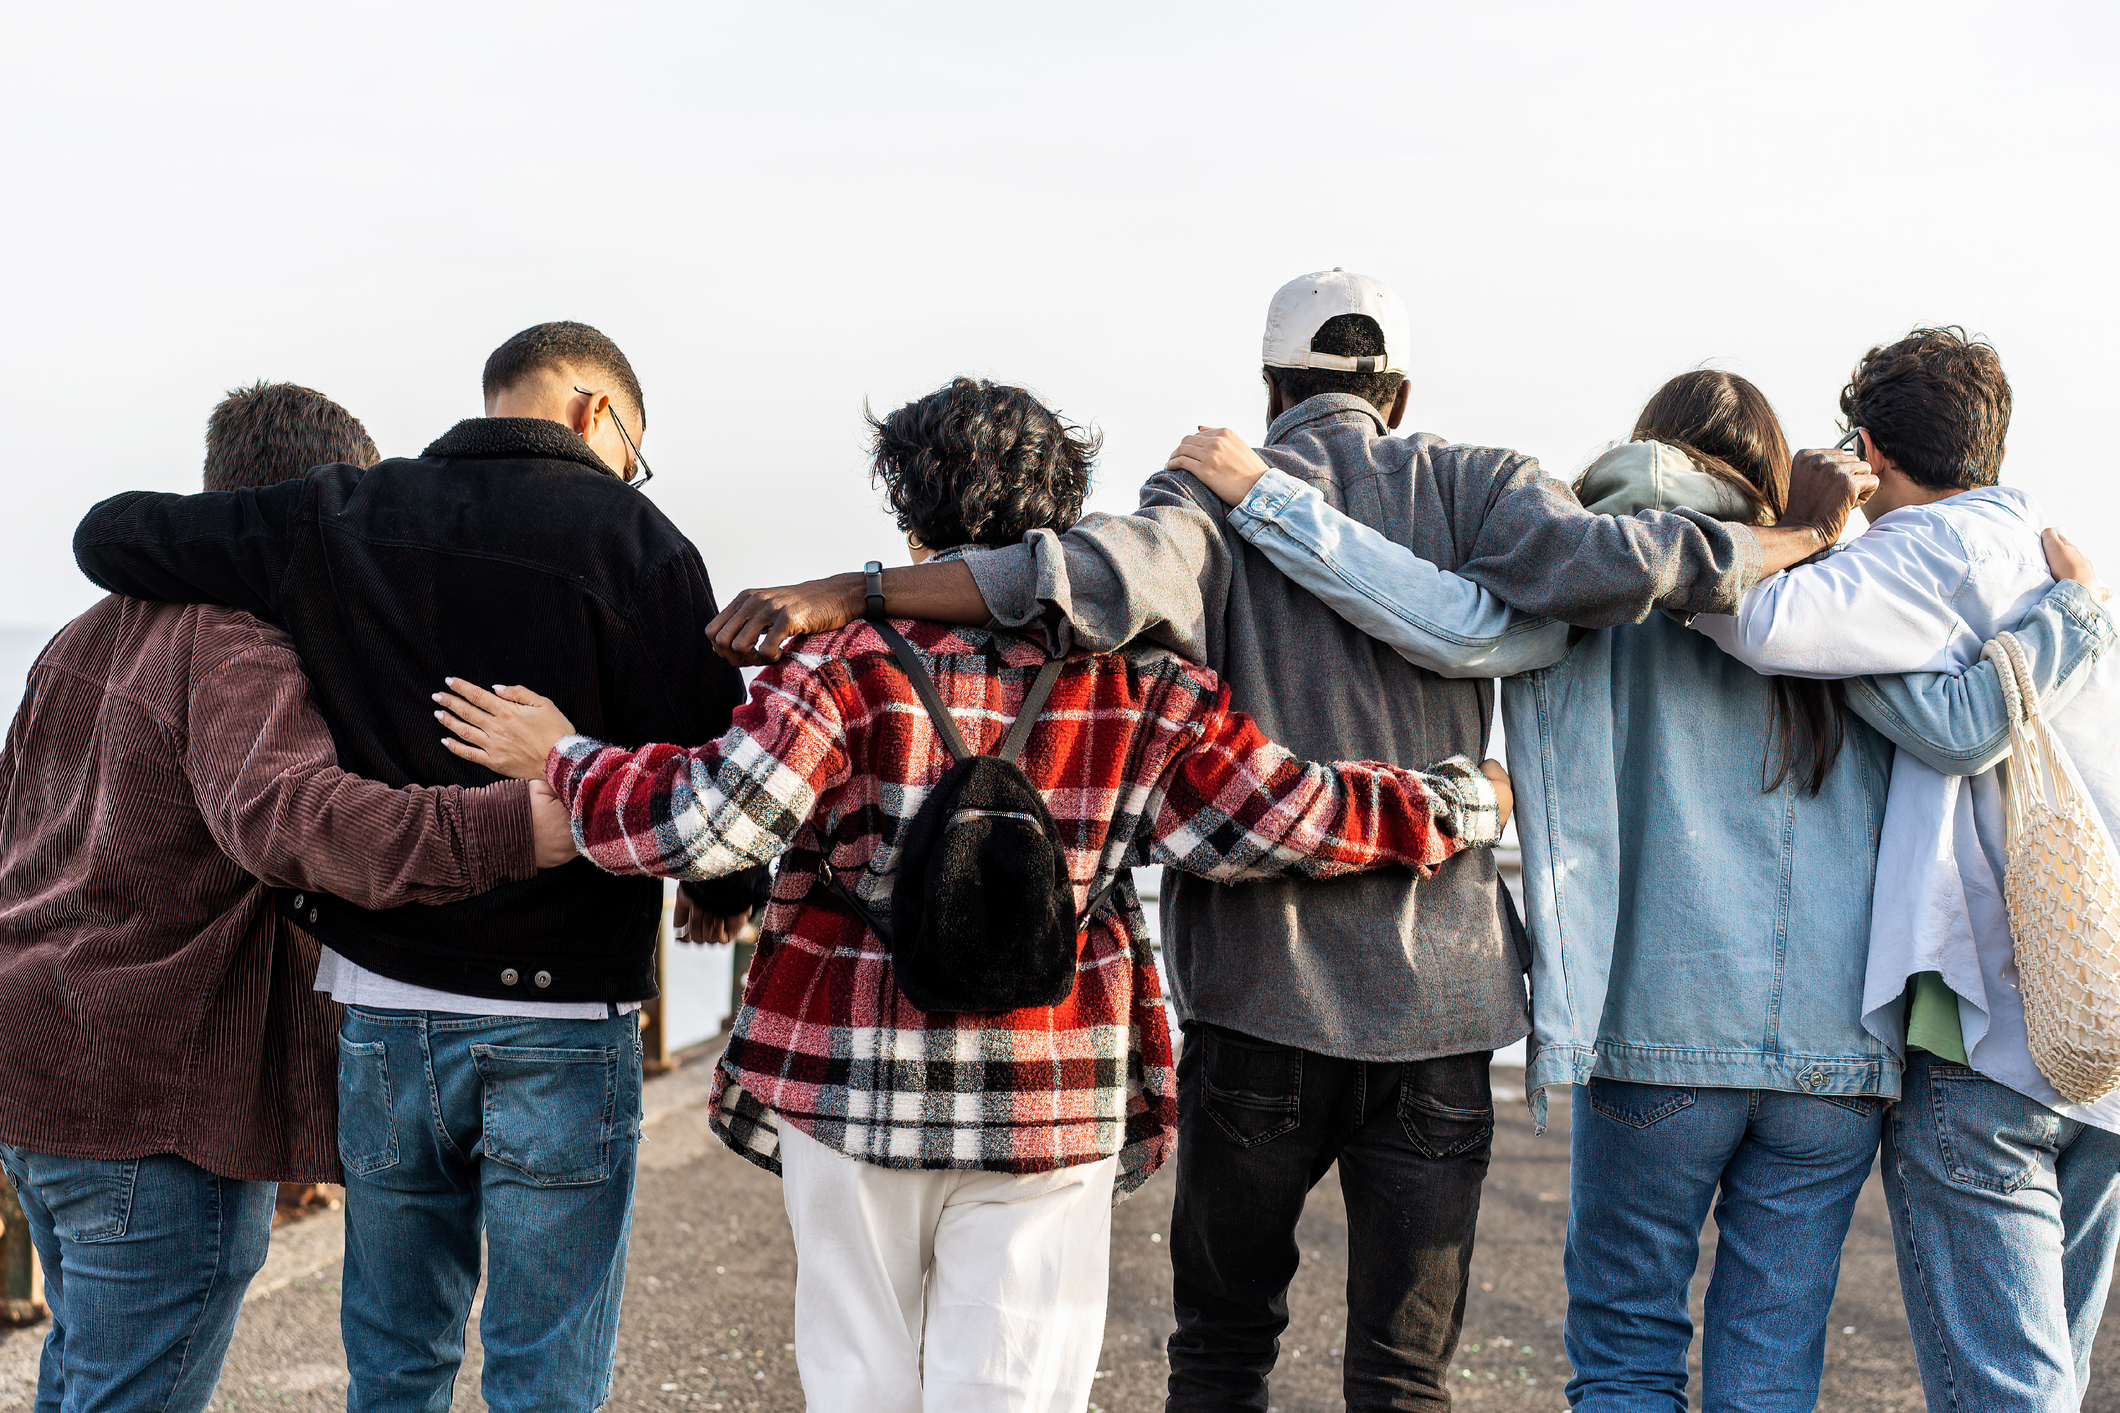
pixel 1142 761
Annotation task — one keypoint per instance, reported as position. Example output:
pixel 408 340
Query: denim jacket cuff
pixel 2079 603
pixel 1268 497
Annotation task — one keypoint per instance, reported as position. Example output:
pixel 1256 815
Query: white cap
pixel 1301 307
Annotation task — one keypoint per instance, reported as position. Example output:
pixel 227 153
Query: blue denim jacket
pixel 1690 929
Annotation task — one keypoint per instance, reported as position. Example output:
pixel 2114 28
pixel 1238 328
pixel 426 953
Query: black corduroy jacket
pixel 506 552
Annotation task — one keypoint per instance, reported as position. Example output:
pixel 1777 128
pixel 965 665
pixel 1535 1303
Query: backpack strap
pixel 916 672
pixel 945 725
pixel 1096 899
pixel 1019 735
pixel 830 878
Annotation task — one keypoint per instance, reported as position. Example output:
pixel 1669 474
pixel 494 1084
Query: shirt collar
pixel 516 436
pixel 1325 407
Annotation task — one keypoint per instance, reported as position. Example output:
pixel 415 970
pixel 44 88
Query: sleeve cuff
pixel 563 765
pixel 2079 603
pixel 1476 809
pixel 1022 591
pixel 498 845
pixel 1268 497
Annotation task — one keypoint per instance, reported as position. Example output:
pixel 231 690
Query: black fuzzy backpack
pixel 982 912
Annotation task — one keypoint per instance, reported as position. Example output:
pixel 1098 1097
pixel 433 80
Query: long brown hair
pixel 1728 428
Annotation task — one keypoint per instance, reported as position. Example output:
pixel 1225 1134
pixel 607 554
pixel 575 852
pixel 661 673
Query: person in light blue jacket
pixel 1699 849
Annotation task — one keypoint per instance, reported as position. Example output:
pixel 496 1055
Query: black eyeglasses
pixel 646 474
pixel 1851 442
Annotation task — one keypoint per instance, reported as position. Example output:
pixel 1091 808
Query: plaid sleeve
pixel 1236 805
pixel 709 810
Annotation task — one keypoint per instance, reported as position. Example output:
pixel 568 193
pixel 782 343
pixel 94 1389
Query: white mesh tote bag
pixel 2062 888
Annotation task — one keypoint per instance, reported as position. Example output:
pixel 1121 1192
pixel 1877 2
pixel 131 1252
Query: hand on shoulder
pixel 1221 460
pixel 2065 561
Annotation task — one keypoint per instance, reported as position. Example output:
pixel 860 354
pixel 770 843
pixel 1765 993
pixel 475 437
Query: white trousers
pixel 945 1292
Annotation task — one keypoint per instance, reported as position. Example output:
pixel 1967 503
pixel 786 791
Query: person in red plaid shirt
pixel 949 1177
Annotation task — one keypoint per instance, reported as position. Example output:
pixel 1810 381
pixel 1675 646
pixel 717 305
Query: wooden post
pixel 21 1282
pixel 656 1056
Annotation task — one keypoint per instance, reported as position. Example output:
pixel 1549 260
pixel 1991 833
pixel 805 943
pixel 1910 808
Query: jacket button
pixel 510 976
pixel 299 899
pixel 543 978
pixel 312 914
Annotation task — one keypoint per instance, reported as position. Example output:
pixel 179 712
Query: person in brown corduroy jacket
pixel 164 1060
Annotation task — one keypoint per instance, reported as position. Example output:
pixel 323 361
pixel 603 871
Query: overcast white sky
pixel 780 211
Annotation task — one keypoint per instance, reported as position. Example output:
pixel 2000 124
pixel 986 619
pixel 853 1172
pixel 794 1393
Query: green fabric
pixel 1637 476
pixel 1932 1018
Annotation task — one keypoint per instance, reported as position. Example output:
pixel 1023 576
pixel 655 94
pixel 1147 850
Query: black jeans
pixel 1258 1125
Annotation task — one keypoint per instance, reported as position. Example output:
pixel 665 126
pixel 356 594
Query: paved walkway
pixel 707 1300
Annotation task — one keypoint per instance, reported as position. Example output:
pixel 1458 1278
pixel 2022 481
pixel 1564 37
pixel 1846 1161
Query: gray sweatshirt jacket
pixel 1364 968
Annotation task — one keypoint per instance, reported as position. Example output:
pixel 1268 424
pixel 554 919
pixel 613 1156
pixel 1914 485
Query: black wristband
pixel 872 587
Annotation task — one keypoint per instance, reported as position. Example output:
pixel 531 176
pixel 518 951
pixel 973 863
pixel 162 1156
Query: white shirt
pixel 352 985
pixel 1922 590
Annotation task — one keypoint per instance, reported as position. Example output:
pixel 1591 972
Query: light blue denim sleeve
pixel 1430 617
pixel 1956 722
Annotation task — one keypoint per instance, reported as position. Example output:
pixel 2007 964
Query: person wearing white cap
pixel 1349 1022
pixel 1302 307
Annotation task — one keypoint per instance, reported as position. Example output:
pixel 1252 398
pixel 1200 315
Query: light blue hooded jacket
pixel 1690 927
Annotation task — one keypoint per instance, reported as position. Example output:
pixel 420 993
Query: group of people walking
pixel 1755 779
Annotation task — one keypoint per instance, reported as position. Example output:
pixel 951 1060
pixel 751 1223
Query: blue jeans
pixel 145 1264
pixel 2005 1216
pixel 1646 1162
pixel 525 1129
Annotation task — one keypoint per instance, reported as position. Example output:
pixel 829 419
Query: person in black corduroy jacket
pixel 518 547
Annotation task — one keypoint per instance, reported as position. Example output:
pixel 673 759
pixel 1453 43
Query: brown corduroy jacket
pixel 167 767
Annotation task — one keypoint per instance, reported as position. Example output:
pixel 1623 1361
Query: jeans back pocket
pixel 368 1140
pixel 1250 1088
pixel 90 1199
pixel 1990 1137
pixel 548 1112
pixel 1446 1106
pixel 1637 1105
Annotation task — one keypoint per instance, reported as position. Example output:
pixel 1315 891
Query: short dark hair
pixel 1937 404
pixel 981 463
pixel 272 432
pixel 1351 336
pixel 563 343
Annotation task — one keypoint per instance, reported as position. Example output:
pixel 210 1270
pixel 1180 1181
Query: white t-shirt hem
pixel 352 985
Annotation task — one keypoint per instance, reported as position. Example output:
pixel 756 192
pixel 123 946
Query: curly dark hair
pixel 1351 336
pixel 979 463
pixel 1937 404
pixel 272 432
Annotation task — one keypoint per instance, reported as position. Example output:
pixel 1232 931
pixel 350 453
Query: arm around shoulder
pixel 1109 579
pixel 1540 551
pixel 708 811
pixel 266 776
pixel 1235 806
pixel 1957 722
pixel 1433 618
pixel 222 547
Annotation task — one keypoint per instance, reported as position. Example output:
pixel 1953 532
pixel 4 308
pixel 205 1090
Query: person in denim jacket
pixel 1699 853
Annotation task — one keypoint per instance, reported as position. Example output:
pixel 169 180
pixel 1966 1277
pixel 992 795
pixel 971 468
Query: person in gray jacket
pixel 1347 1022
